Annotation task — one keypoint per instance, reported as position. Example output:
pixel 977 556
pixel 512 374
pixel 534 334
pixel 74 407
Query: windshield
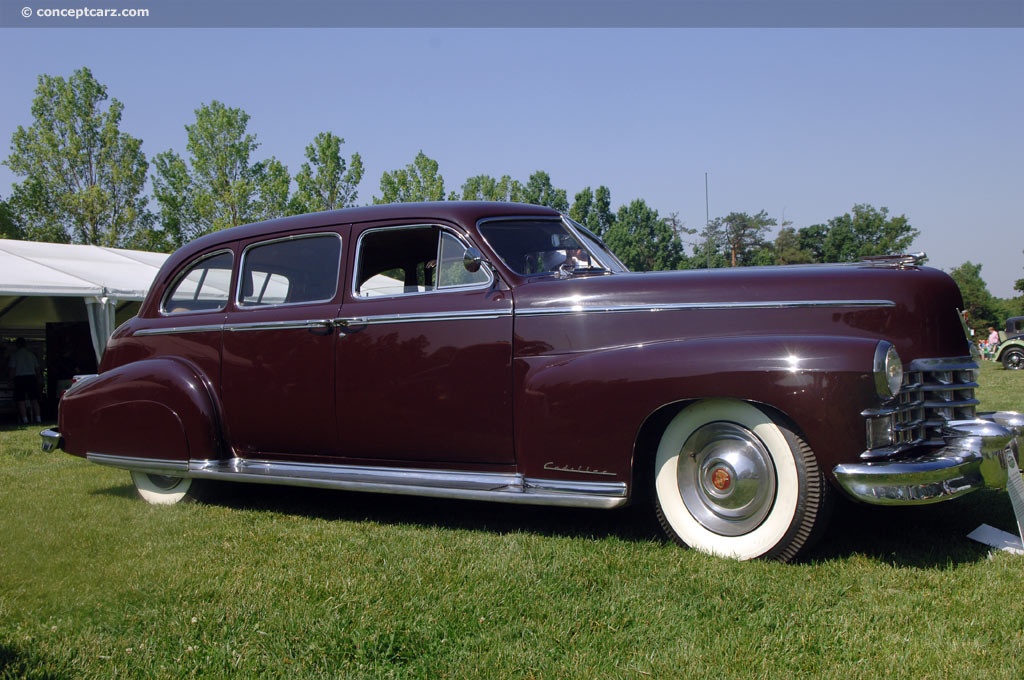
pixel 534 247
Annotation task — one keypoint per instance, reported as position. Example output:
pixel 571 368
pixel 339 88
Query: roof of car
pixel 465 212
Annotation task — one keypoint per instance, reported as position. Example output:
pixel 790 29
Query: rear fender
pixel 160 408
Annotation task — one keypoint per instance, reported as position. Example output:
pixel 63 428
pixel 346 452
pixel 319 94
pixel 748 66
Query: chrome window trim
pixel 425 225
pixel 461 286
pixel 184 271
pixel 241 306
pixel 560 219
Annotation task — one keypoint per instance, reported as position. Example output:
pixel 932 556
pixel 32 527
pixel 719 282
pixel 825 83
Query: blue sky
pixel 802 123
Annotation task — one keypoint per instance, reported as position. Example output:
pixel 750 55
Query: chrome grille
pixel 934 392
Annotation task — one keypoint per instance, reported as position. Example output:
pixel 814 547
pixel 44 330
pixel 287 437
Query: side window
pixel 417 259
pixel 203 287
pixel 290 271
pixel 451 270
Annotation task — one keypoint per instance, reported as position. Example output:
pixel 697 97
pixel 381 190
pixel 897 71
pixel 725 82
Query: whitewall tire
pixel 731 481
pixel 164 489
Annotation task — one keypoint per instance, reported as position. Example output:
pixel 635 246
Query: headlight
pixel 888 370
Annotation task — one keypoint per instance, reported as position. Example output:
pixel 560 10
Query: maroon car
pixel 501 352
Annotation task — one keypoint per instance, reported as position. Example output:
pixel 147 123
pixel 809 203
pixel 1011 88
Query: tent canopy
pixel 45 282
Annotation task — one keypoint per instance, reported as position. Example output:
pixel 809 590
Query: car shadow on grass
pixel 498 518
pixel 924 536
pixel 929 536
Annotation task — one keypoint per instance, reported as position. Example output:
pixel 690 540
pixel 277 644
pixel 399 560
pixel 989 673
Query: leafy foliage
pixel 593 209
pixel 220 186
pixel 981 308
pixel 642 240
pixel 538 190
pixel 487 188
pixel 84 177
pixel 867 231
pixel 740 236
pixel 418 181
pixel 9 228
pixel 327 181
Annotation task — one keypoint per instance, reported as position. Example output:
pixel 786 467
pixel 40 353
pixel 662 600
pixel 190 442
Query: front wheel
pixel 731 481
pixel 1013 359
pixel 166 489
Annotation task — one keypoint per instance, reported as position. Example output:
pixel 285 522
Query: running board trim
pixel 484 486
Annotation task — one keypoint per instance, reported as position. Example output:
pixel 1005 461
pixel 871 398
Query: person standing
pixel 25 372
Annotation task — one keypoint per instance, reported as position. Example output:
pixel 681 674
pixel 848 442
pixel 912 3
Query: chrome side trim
pixel 682 306
pixel 421 317
pixel 476 314
pixel 155 466
pixel 207 328
pixel 278 325
pixel 484 486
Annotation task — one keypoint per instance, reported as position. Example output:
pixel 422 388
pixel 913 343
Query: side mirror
pixel 472 260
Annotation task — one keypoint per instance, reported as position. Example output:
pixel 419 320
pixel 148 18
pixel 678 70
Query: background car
pixel 1011 346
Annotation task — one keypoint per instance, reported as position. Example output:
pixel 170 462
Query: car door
pixel 277 384
pixel 425 353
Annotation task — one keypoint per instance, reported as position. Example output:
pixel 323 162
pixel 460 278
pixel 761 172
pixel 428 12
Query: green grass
pixel 277 582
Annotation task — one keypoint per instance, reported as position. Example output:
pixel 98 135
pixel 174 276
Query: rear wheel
pixel 166 489
pixel 731 481
pixel 1013 359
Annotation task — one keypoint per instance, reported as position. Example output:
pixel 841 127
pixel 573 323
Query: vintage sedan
pixel 501 352
pixel 1010 352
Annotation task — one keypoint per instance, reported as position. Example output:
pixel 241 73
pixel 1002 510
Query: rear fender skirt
pixel 159 408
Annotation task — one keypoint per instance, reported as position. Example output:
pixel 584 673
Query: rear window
pixel 204 287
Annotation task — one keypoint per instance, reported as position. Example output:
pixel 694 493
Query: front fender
pixel 1019 344
pixel 160 408
pixel 585 411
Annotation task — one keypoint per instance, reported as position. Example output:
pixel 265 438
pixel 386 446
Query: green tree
pixel 84 179
pixel 9 227
pixel 487 188
pixel 709 250
pixel 273 184
pixel 418 181
pixel 538 190
pixel 788 248
pixel 742 236
pixel 867 231
pixel 642 240
pixel 327 181
pixel 811 240
pixel 219 186
pixel 593 209
pixel 981 307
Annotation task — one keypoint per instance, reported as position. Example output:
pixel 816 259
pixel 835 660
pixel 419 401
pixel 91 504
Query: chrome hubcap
pixel 164 482
pixel 726 478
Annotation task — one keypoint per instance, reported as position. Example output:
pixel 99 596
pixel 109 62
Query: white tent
pixel 44 282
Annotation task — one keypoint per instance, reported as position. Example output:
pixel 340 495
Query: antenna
pixel 707 220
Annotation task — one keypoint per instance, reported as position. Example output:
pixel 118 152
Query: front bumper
pixel 51 439
pixel 976 455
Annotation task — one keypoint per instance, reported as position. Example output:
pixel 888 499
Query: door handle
pixel 325 327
